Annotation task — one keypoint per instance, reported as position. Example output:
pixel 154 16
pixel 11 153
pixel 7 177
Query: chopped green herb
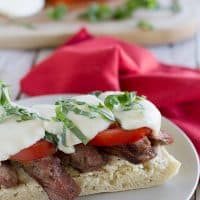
pixel 23 113
pixel 97 12
pixel 145 25
pixel 124 101
pixel 51 138
pixel 79 108
pixel 100 110
pixel 68 124
pixel 4 98
pixel 82 108
pixel 10 108
pixel 122 12
pixel 101 12
pixel 58 12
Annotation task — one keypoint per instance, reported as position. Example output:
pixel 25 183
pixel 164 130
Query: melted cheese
pixel 89 127
pixel 16 136
pixel 20 8
pixel 143 114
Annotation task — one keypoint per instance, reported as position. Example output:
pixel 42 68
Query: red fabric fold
pixel 86 63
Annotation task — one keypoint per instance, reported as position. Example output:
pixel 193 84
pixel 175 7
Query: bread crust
pixel 117 175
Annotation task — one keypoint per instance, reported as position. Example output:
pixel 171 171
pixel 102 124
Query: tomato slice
pixel 118 136
pixel 37 151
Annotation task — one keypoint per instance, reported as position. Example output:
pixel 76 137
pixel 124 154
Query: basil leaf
pixel 82 108
pixel 122 12
pixel 58 12
pixel 136 4
pixel 124 101
pixel 51 138
pixel 97 12
pixel 98 109
pixel 116 100
pixel 5 98
pixel 12 109
pixel 102 12
pixel 68 124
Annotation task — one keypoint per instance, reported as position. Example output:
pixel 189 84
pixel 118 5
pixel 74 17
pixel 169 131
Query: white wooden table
pixel 14 64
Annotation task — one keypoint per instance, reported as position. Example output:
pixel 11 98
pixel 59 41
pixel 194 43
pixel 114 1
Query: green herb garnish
pixel 10 108
pixel 79 108
pixel 145 25
pixel 58 12
pixel 101 12
pixel 51 138
pixel 122 12
pixel 68 124
pixel 23 113
pixel 100 110
pixel 4 98
pixel 97 12
pixel 82 108
pixel 124 101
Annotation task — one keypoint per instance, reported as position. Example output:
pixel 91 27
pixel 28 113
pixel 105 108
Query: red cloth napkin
pixel 86 63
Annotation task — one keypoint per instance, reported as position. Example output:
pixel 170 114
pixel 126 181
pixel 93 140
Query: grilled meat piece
pixel 85 159
pixel 138 152
pixel 162 139
pixel 8 176
pixel 57 183
pixel 64 158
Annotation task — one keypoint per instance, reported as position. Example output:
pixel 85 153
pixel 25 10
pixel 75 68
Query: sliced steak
pixel 138 152
pixel 64 158
pixel 57 183
pixel 8 176
pixel 162 139
pixel 85 159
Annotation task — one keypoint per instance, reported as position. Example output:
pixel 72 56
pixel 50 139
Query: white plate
pixel 180 187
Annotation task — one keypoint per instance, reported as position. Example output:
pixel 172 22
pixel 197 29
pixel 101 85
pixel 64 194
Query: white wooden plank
pixel 184 53
pixel 162 53
pixel 13 65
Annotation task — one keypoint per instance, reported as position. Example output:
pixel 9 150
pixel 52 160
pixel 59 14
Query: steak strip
pixel 85 159
pixel 8 176
pixel 57 183
pixel 138 152
pixel 162 139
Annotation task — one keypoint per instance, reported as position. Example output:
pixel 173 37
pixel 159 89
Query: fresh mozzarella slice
pixel 90 127
pixel 20 8
pixel 48 111
pixel 143 114
pixel 16 136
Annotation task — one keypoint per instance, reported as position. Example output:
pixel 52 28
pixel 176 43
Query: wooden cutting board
pixel 169 27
